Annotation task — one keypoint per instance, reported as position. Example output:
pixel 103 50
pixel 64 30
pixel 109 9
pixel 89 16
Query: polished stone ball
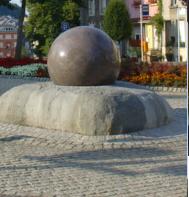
pixel 83 56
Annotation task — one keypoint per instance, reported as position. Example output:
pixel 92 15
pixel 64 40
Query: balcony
pixel 152 1
pixel 137 43
pixel 134 43
pixel 136 3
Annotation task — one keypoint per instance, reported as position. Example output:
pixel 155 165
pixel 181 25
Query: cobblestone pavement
pixel 37 162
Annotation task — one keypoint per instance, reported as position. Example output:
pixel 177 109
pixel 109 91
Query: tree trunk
pixel 19 32
pixel 162 59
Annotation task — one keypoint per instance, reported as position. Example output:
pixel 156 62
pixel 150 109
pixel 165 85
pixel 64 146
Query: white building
pixel 175 31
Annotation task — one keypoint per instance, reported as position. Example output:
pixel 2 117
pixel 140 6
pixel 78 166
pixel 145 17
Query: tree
pixel 158 22
pixel 44 21
pixel 18 52
pixel 70 12
pixel 5 3
pixel 116 21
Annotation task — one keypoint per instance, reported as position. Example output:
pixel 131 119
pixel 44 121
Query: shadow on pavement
pixel 117 161
pixel 4 195
pixel 14 137
pixel 176 170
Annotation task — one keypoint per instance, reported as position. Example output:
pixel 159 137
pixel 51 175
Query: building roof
pixel 8 21
pixel 15 12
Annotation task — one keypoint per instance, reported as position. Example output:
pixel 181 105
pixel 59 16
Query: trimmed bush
pixel 31 70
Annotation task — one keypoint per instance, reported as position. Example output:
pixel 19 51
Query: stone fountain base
pixel 88 110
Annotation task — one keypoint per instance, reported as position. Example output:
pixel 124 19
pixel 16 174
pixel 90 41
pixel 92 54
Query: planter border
pixel 166 89
pixel 25 78
pixel 153 88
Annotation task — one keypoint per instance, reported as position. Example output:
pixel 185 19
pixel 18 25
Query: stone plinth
pixel 88 110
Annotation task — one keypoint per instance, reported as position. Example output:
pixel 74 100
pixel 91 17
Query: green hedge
pixel 24 71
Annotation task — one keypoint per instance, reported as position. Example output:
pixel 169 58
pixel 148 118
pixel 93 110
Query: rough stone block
pixel 89 110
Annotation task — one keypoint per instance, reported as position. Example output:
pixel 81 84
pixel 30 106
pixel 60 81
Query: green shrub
pixel 30 70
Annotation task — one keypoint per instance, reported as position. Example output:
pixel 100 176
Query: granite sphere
pixel 83 56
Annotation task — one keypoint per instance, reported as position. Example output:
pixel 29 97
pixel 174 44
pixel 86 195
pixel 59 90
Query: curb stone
pixel 153 88
pixel 166 89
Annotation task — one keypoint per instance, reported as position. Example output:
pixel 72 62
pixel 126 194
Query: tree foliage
pixel 158 20
pixel 117 21
pixel 44 21
pixel 18 52
pixel 70 12
pixel 4 2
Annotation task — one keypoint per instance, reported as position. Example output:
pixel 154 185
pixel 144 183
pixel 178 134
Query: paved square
pixel 38 162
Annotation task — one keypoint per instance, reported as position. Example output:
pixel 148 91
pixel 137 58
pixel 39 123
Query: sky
pixel 16 1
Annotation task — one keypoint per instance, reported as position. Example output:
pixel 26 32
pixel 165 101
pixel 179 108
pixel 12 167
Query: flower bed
pixel 31 70
pixel 11 62
pixel 155 74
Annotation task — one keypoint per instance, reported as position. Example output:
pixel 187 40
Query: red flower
pixel 11 62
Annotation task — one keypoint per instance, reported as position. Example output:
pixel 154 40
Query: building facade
pixel 175 30
pixel 149 32
pixel 93 13
pixel 172 45
pixel 8 36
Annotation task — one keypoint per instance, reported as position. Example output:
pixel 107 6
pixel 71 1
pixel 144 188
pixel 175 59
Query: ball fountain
pixel 84 96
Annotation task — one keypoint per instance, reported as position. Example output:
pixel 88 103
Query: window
pixel 8 36
pixel 8 46
pixel 182 33
pixel 101 26
pixel 92 24
pixel 91 7
pixel 173 2
pixel 137 36
pixel 15 36
pixel 173 39
pixel 182 12
pixel 1 45
pixel 8 29
pixel 1 36
pixel 102 6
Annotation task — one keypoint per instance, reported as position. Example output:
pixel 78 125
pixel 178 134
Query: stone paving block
pixel 136 164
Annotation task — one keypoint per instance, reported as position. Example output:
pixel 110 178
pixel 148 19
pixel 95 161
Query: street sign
pixel 65 26
pixel 145 9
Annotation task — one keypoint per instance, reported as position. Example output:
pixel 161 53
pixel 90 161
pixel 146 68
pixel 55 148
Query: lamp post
pixel 141 32
pixel 178 35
